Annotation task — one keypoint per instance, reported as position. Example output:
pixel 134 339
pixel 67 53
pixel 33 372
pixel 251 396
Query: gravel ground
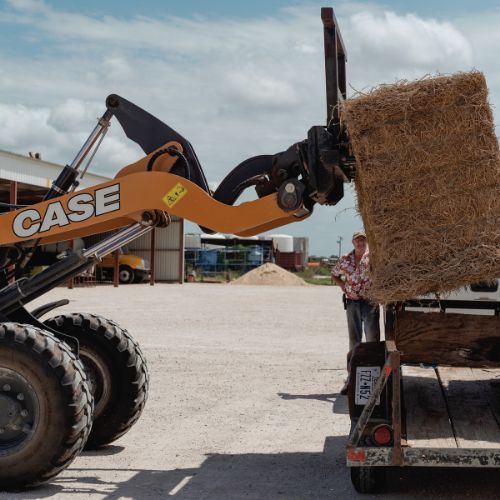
pixel 243 403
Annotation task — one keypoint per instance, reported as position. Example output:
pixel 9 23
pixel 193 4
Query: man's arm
pixel 338 280
pixel 336 273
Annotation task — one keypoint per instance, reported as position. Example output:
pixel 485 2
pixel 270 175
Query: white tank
pixel 282 242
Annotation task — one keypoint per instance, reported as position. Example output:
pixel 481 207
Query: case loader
pixel 79 380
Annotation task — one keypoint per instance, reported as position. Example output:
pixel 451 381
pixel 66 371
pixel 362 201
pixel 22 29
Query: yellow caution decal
pixel 174 195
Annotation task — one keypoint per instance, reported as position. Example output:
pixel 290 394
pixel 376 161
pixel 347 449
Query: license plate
pixel 366 377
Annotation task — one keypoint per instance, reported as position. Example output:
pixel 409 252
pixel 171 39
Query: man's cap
pixel 358 234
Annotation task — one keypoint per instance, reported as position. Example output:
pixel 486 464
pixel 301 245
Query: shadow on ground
pixel 268 476
pixel 105 451
pixel 339 402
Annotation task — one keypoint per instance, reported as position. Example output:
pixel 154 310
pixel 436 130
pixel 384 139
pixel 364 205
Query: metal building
pixel 26 179
pixel 167 261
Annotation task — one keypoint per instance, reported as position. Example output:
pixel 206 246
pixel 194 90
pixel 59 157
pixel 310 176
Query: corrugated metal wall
pixel 169 251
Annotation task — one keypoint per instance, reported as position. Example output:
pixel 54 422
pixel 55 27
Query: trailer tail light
pixel 382 435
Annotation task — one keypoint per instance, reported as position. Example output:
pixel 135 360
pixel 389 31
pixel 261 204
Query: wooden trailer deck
pixel 448 407
pixel 441 379
pixel 442 417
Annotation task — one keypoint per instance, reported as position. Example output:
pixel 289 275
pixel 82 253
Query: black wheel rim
pixel 99 378
pixel 19 411
pixel 125 275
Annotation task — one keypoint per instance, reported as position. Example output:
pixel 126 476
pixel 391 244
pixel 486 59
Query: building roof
pixel 37 172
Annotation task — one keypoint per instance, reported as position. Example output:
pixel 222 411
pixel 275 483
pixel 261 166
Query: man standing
pixel 354 268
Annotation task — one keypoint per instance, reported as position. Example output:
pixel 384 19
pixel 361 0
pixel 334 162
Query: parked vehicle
pixel 132 269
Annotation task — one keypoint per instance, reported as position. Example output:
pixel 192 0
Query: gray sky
pixel 235 81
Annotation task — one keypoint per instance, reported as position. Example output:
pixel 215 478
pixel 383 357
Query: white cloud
pixel 20 123
pixel 233 87
pixel 71 115
pixel 31 6
pixel 394 46
pixel 254 89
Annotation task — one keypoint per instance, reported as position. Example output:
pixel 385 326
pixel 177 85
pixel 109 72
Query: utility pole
pixel 339 241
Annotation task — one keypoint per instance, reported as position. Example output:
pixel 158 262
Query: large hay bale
pixel 427 183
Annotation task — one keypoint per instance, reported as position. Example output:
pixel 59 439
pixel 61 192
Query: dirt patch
pixel 269 274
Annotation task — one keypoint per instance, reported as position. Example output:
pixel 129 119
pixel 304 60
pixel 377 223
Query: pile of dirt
pixel 427 181
pixel 269 274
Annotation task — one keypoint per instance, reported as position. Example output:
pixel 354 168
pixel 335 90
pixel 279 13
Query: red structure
pixel 291 261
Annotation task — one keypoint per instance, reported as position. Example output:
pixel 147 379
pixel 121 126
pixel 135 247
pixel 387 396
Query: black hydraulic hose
pixel 235 182
pixel 171 152
pixel 11 205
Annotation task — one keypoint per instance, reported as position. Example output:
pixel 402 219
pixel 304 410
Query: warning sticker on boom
pixel 174 195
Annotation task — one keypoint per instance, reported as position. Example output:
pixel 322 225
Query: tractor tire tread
pixel 132 358
pixel 58 358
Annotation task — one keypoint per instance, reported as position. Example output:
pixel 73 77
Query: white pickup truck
pixel 477 292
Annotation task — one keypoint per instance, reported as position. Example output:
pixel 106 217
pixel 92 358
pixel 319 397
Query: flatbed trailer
pixel 438 407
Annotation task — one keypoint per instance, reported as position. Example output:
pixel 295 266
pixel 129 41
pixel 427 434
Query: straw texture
pixel 427 183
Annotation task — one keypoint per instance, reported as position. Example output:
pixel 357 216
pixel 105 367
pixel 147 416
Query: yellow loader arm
pixel 123 201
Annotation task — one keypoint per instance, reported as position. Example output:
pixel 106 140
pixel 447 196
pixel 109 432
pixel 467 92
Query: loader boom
pixel 122 201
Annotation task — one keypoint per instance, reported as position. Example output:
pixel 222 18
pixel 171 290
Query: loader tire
pixel 117 371
pixel 45 406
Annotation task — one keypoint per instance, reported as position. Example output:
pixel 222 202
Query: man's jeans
pixel 359 313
